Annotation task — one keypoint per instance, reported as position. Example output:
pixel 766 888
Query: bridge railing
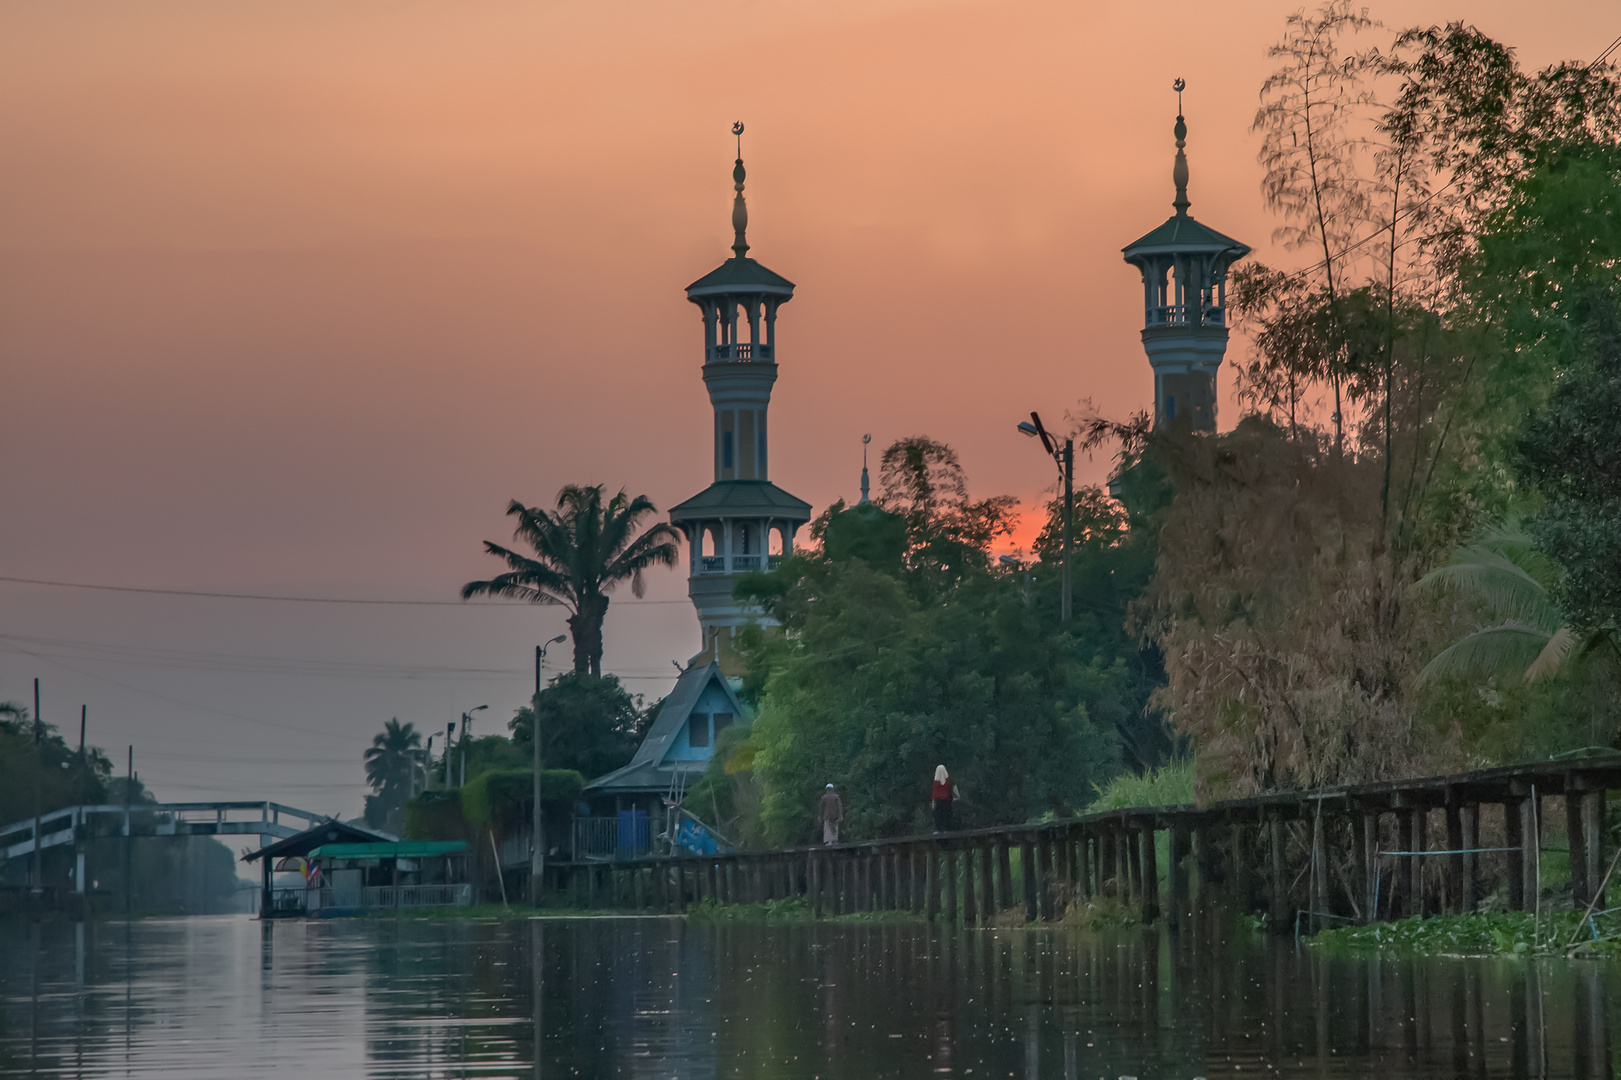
pixel 1373 851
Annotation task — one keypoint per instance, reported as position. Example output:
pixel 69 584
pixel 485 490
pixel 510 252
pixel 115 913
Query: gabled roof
pixel 740 275
pixel 742 498
pixel 1181 233
pixel 648 771
pixel 332 832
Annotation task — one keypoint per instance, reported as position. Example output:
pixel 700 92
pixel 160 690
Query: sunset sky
pixel 295 296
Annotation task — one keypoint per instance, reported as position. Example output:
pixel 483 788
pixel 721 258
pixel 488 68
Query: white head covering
pixel 830 787
pixel 940 774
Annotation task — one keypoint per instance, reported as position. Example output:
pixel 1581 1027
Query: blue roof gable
pixel 702 691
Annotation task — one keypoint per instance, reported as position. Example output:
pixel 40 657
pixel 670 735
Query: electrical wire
pixel 207 594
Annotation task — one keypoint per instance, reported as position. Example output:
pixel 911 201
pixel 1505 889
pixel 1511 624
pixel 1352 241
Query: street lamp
pixel 1064 457
pixel 467 725
pixel 537 830
pixel 540 656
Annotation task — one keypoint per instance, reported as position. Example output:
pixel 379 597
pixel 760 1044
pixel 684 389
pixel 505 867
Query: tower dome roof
pixel 741 274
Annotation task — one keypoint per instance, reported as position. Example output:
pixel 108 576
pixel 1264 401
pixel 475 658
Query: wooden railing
pixel 1360 853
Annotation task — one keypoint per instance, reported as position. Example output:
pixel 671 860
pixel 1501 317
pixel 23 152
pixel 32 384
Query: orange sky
pixel 294 297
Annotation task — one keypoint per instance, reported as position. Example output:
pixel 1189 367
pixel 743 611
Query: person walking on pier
pixel 832 813
pixel 944 794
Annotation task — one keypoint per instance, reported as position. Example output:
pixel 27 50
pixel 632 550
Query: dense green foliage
pixel 506 797
pixel 583 550
pixel 588 723
pixel 1328 601
pixel 905 648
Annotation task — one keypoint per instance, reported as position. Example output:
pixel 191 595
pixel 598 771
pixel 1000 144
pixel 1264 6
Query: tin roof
pixel 402 849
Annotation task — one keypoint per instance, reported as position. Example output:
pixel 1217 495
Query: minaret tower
pixel 1184 266
pixel 732 525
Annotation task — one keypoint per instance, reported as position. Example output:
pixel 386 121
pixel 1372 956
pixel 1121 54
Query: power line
pixel 207 594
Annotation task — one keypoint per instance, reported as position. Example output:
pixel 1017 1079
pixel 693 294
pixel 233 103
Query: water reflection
pixel 226 996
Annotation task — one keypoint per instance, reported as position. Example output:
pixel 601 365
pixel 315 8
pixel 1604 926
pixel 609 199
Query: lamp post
pixel 537 831
pixel 467 724
pixel 1064 457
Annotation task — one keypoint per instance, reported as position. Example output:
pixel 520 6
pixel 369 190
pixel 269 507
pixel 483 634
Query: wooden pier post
pixel 1455 846
pixel 931 883
pixel 1027 869
pixel 1134 864
pixel 1150 860
pixel 1044 877
pixel 1593 846
pixel 1514 831
pixel 1176 885
pixel 1471 841
pixel 948 876
pixel 1278 887
pixel 1369 866
pixel 987 883
pixel 1004 873
pixel 1405 864
pixel 1580 888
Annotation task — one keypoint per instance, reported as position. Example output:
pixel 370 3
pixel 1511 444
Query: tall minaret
pixel 730 525
pixel 1184 266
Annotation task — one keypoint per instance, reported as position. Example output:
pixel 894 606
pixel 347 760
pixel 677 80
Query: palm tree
pixel 1527 637
pixel 393 756
pixel 582 550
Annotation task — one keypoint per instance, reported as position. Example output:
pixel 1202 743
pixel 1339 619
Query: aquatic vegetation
pixel 789 909
pixel 1520 933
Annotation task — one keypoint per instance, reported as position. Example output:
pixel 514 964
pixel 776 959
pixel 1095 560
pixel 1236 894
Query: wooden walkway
pixel 1373 851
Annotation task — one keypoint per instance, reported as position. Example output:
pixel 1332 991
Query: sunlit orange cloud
pixel 298 295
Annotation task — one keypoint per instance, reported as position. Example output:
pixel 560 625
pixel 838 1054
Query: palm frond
pixel 1498 582
pixel 1553 655
pixel 1505 651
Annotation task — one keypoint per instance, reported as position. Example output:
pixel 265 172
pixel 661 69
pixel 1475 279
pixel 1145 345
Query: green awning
pixel 403 849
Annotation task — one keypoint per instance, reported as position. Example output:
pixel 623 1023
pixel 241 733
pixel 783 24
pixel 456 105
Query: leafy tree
pixel 392 764
pixel 1572 452
pixel 588 723
pixel 903 648
pixel 583 549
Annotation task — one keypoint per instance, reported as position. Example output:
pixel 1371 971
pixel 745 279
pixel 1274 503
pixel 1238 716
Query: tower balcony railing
pixel 742 352
pixel 1177 315
pixel 717 564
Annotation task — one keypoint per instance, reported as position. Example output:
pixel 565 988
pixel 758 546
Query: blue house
pixel 633 805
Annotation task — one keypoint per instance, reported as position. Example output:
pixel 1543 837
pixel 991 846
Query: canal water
pixel 662 998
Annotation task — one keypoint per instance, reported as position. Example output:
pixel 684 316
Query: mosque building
pixel 739 524
pixel 1184 265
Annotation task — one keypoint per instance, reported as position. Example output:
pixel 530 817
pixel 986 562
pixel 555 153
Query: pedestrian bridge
pixel 74 824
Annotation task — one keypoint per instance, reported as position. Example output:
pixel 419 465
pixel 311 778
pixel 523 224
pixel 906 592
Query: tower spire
pixel 866 499
pixel 740 209
pixel 1179 173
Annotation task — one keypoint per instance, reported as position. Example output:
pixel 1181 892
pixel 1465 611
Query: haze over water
pixel 666 998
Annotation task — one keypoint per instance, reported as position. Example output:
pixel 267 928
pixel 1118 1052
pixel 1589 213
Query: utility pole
pixel 1064 457
pixel 129 833
pixel 537 829
pixel 450 729
pixel 39 779
pixel 1066 604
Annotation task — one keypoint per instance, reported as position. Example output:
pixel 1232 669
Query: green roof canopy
pixel 402 849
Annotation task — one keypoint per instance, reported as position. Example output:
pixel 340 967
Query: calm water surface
pixel 660 998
